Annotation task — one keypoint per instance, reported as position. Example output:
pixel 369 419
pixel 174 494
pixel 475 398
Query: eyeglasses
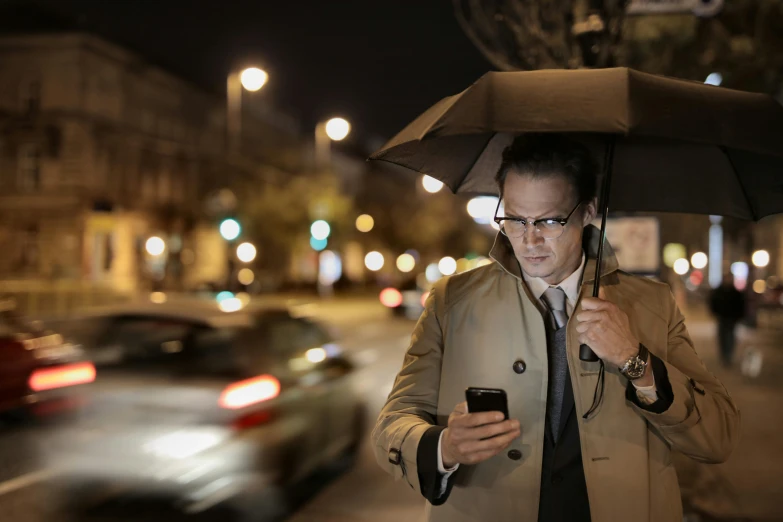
pixel 548 228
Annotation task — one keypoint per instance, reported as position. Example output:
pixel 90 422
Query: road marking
pixel 23 481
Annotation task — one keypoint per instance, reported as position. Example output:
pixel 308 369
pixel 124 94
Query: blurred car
pixel 40 372
pixel 205 407
pixel 406 300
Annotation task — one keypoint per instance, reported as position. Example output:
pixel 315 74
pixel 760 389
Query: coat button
pixel 519 366
pixel 515 454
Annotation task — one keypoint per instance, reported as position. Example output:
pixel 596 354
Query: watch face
pixel 635 369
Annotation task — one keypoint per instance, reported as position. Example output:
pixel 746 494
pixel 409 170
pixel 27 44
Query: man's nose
pixel 531 236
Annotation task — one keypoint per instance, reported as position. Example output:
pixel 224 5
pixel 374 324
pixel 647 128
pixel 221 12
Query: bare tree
pixel 556 34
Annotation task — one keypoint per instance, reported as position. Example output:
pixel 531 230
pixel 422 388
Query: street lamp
pixel 246 252
pixel 251 79
pixel 334 129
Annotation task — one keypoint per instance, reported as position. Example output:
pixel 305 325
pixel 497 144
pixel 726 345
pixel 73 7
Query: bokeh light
pixel 681 266
pixel 337 129
pixel 699 260
pixel 155 246
pixel 253 78
pixel 759 286
pixel 406 263
pixel 158 297
pixel 431 184
pixel 365 223
pixel 447 266
pixel 374 261
pixel 246 252
pixel 320 229
pixel 318 244
pixel 760 258
pixel 232 304
pixel 230 229
pixel 391 297
pixel 672 252
pixel 246 276
pixel 432 272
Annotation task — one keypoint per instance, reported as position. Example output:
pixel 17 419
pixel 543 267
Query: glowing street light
pixel 681 266
pixel 365 223
pixel 431 184
pixel 699 260
pixel 253 78
pixel 374 261
pixel 760 258
pixel 246 252
pixel 337 129
pixel 230 229
pixel 334 129
pixel 155 246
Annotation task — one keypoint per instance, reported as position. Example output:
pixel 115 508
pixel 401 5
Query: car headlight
pixel 185 443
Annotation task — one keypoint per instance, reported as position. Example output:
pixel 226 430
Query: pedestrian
pixel 581 443
pixel 727 304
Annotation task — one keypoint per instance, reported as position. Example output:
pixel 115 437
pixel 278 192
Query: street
pixel 745 488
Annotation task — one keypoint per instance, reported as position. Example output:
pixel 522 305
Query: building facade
pixel 99 151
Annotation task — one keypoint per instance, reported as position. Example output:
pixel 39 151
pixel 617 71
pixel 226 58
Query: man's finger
pixel 591 316
pixel 593 303
pixel 462 407
pixel 494 444
pixel 601 293
pixel 493 430
pixel 479 419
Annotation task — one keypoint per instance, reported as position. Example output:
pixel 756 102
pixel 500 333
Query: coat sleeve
pixel 702 420
pixel 411 408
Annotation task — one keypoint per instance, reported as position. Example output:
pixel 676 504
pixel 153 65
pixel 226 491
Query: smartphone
pixel 487 399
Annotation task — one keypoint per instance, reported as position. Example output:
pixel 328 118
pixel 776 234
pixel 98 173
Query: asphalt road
pixel 746 488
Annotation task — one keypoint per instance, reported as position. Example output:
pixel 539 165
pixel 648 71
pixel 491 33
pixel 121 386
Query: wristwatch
pixel 635 367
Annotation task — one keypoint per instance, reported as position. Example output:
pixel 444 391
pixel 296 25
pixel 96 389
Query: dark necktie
pixel 555 299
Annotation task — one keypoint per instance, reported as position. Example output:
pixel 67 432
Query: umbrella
pixel 668 145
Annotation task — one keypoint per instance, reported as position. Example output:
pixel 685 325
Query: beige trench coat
pixel 477 324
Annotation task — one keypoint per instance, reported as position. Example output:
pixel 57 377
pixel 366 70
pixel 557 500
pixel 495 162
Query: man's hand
pixel 605 329
pixel 462 441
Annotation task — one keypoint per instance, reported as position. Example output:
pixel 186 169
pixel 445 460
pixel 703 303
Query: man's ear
pixel 591 210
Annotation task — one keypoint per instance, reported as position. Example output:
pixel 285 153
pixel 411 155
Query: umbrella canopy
pixel 680 146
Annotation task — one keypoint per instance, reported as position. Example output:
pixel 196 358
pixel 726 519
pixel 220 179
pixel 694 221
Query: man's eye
pixel 550 222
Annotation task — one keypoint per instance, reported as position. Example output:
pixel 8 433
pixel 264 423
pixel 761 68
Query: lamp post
pixel 335 129
pixel 252 79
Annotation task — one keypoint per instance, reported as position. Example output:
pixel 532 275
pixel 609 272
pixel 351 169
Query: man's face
pixel 547 197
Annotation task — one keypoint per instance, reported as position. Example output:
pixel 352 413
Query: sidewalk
pixel 750 485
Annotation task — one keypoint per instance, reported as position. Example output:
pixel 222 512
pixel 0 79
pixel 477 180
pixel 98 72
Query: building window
pixel 29 167
pixel 30 96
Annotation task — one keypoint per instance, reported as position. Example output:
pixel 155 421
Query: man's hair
pixel 546 155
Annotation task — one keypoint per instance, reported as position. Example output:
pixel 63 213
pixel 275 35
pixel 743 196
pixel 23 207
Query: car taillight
pixel 391 297
pixel 61 376
pixel 251 391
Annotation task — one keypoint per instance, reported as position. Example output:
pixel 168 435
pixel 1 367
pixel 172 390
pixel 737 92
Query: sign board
pixel 697 7
pixel 636 242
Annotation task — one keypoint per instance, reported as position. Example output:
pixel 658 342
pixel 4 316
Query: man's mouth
pixel 535 259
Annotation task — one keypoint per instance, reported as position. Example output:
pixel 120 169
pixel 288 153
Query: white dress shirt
pixel 571 285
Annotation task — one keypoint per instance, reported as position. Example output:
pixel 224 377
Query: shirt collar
pixel 570 285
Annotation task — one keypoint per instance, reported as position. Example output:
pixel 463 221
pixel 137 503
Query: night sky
pixel 377 62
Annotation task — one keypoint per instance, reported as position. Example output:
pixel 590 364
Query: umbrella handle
pixel 585 353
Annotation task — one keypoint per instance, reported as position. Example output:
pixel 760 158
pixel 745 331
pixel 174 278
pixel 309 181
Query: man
pixel 575 448
pixel 728 306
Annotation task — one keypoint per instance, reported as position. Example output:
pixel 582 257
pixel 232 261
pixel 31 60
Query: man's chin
pixel 535 270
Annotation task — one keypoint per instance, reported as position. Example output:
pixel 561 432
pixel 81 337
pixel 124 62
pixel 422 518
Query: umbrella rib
pixel 739 180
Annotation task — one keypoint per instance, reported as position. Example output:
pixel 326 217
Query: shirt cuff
pixel 441 468
pixel 663 388
pixel 647 394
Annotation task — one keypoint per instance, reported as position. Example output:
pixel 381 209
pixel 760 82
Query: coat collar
pixel 503 253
